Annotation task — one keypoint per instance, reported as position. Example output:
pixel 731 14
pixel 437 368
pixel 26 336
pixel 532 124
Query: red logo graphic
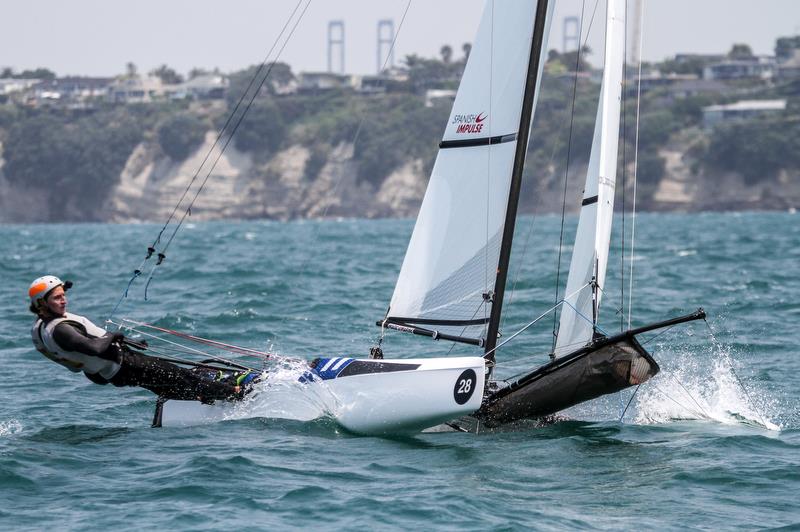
pixel 470 123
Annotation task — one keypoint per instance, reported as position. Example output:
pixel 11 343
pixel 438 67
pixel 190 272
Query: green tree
pixel 262 131
pixel 130 70
pixel 756 149
pixel 785 47
pixel 72 161
pixel 446 52
pixel 740 51
pixel 38 73
pixel 167 75
pixel 179 135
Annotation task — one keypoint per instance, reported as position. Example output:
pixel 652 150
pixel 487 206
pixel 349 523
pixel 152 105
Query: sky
pixel 98 37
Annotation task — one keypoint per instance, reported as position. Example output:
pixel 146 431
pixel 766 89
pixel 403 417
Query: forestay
pixel 590 253
pixel 450 266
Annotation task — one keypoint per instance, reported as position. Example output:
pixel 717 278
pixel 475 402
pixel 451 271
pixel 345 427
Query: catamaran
pixel 452 280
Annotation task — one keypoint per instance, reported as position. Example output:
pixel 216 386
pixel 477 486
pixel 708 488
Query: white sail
pixel 590 253
pixel 452 257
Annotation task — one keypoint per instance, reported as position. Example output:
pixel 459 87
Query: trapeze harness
pixel 42 334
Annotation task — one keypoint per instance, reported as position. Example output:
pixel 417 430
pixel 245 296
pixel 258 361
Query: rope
pixel 188 210
pixel 221 133
pixel 566 174
pixel 545 313
pixel 736 376
pixel 488 167
pixel 629 403
pixel 698 414
pixel 211 343
pixel 356 136
pixel 635 165
pixel 689 394
pixel 624 172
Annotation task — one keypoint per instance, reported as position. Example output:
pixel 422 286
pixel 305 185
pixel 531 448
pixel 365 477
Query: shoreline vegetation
pixel 327 145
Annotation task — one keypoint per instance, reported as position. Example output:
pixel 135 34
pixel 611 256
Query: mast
pixel 529 98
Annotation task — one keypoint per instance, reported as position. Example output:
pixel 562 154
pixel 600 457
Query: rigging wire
pixel 624 169
pixel 566 176
pixel 188 210
pixel 629 403
pixel 569 151
pixel 538 204
pixel 488 167
pixel 354 141
pixel 736 375
pixel 688 409
pixel 152 248
pixel 689 394
pixel 545 313
pixel 211 343
pixel 635 164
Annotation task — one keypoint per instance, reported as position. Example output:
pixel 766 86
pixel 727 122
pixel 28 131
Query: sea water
pixel 712 442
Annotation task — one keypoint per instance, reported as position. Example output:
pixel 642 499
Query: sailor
pixel 78 344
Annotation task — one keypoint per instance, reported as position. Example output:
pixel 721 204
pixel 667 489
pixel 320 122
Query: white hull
pixel 372 397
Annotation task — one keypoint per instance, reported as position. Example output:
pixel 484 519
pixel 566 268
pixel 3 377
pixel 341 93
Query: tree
pixel 130 70
pixel 75 162
pixel 467 49
pixel 197 72
pixel 263 129
pixel 38 73
pixel 7 73
pixel 785 47
pixel 757 149
pixel 572 61
pixel 740 51
pixel 447 54
pixel 167 75
pixel 179 135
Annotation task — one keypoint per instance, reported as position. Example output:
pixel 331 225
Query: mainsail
pixel 449 272
pixel 590 253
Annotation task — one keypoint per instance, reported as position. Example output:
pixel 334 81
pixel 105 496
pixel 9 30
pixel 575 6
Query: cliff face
pixel 239 188
pixel 151 185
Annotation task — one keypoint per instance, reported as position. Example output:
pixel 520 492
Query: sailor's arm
pixel 71 339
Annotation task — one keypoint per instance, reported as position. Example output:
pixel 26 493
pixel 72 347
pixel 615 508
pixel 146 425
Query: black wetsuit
pixel 163 378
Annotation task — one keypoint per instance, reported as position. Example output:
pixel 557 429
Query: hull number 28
pixel 465 386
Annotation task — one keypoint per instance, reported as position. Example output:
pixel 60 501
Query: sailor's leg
pixel 168 380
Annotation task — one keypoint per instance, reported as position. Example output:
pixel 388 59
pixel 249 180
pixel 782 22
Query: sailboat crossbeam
pixel 436 335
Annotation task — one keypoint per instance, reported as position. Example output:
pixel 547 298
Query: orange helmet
pixel 43 285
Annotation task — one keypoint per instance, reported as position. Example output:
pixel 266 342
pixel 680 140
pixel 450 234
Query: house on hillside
pixel 757 67
pixel 696 87
pixel 790 68
pixel 311 82
pixel 741 110
pixel 202 87
pixel 381 83
pixel 136 89
pixel 439 96
pixel 15 89
pixel 656 80
pixel 70 89
pixel 12 85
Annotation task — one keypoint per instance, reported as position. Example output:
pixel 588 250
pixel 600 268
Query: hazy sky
pixel 97 37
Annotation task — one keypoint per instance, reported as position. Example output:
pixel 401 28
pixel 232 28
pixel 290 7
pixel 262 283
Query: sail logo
pixel 469 123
